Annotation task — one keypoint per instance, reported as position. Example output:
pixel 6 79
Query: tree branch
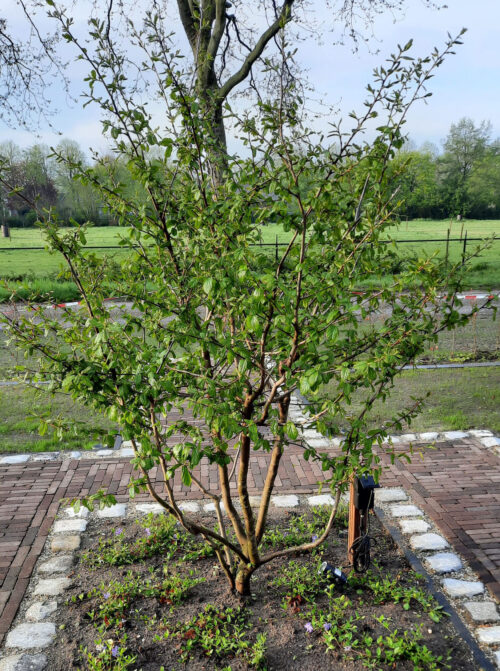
pixel 284 16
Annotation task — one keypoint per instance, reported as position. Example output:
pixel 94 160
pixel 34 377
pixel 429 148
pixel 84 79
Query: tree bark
pixel 242 582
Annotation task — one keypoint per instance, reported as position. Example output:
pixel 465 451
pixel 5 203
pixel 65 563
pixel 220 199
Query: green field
pixel 38 269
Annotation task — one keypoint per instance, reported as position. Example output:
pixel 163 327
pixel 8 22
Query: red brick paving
pixel 457 485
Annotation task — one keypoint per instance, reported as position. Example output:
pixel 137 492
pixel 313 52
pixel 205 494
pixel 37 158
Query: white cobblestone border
pixel 309 436
pixel 460 584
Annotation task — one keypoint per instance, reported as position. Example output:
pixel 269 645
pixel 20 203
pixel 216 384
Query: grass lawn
pixel 19 429
pixel 461 398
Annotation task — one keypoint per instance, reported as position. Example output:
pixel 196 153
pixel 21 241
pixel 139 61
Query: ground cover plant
pixel 134 606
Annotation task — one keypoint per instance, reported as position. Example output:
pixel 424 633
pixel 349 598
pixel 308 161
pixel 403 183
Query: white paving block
pixel 428 542
pixel 428 435
pixel 489 635
pixel 191 506
pixel 15 459
pixel 210 507
pixel 390 495
pixel 118 510
pixel 460 588
pixel 482 611
pixel 75 454
pixel 480 433
pixel 311 433
pixel 146 508
pixel 125 452
pixel 444 562
pixel 406 511
pixel 65 543
pixel 31 635
pixel 83 513
pixel 490 442
pixel 64 526
pixel 52 586
pixel 104 453
pixel 321 500
pixel 41 610
pixel 57 564
pixel 289 501
pixel 24 662
pixel 414 526
pixel 455 435
pixel 44 456
pixel 395 440
pixel 318 443
pixel 408 437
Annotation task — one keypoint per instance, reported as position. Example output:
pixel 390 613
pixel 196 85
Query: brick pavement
pixel 457 485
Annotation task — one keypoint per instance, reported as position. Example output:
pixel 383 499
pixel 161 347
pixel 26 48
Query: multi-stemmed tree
pixel 214 327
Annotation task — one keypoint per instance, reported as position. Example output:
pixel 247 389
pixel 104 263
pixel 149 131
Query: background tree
pixel 464 147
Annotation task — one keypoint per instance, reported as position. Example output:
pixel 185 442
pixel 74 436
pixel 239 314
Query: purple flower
pixel 308 627
pixel 115 651
pixel 327 626
pixel 148 532
pixel 314 538
pixel 119 531
pixel 106 595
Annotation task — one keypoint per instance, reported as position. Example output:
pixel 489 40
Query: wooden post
pixel 447 247
pixel 354 530
pixel 5 231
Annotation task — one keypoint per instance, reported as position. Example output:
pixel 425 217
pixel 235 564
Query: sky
pixel 466 85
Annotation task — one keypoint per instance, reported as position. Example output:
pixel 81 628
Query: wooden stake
pixel 354 522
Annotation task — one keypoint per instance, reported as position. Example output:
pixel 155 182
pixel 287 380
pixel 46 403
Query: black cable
pixel 360 549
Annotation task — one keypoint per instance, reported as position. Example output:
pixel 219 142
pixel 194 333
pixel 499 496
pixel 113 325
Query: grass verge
pixel 460 399
pixel 20 409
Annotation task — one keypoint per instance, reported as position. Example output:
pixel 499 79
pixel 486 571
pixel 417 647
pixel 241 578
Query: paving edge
pixel 123 449
pixel 484 663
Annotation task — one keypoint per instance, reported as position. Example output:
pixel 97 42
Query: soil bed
pixel 152 608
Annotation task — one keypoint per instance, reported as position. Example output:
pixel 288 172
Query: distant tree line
pixel 463 179
pixel 35 179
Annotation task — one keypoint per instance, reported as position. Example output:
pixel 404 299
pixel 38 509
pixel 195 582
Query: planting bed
pixel 146 596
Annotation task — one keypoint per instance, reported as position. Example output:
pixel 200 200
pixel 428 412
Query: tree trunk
pixel 242 582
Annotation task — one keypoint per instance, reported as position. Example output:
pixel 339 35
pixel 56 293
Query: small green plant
pixel 219 633
pixel 303 582
pixel 112 603
pixel 160 536
pixel 301 529
pixel 110 655
pixel 401 645
pixel 384 590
